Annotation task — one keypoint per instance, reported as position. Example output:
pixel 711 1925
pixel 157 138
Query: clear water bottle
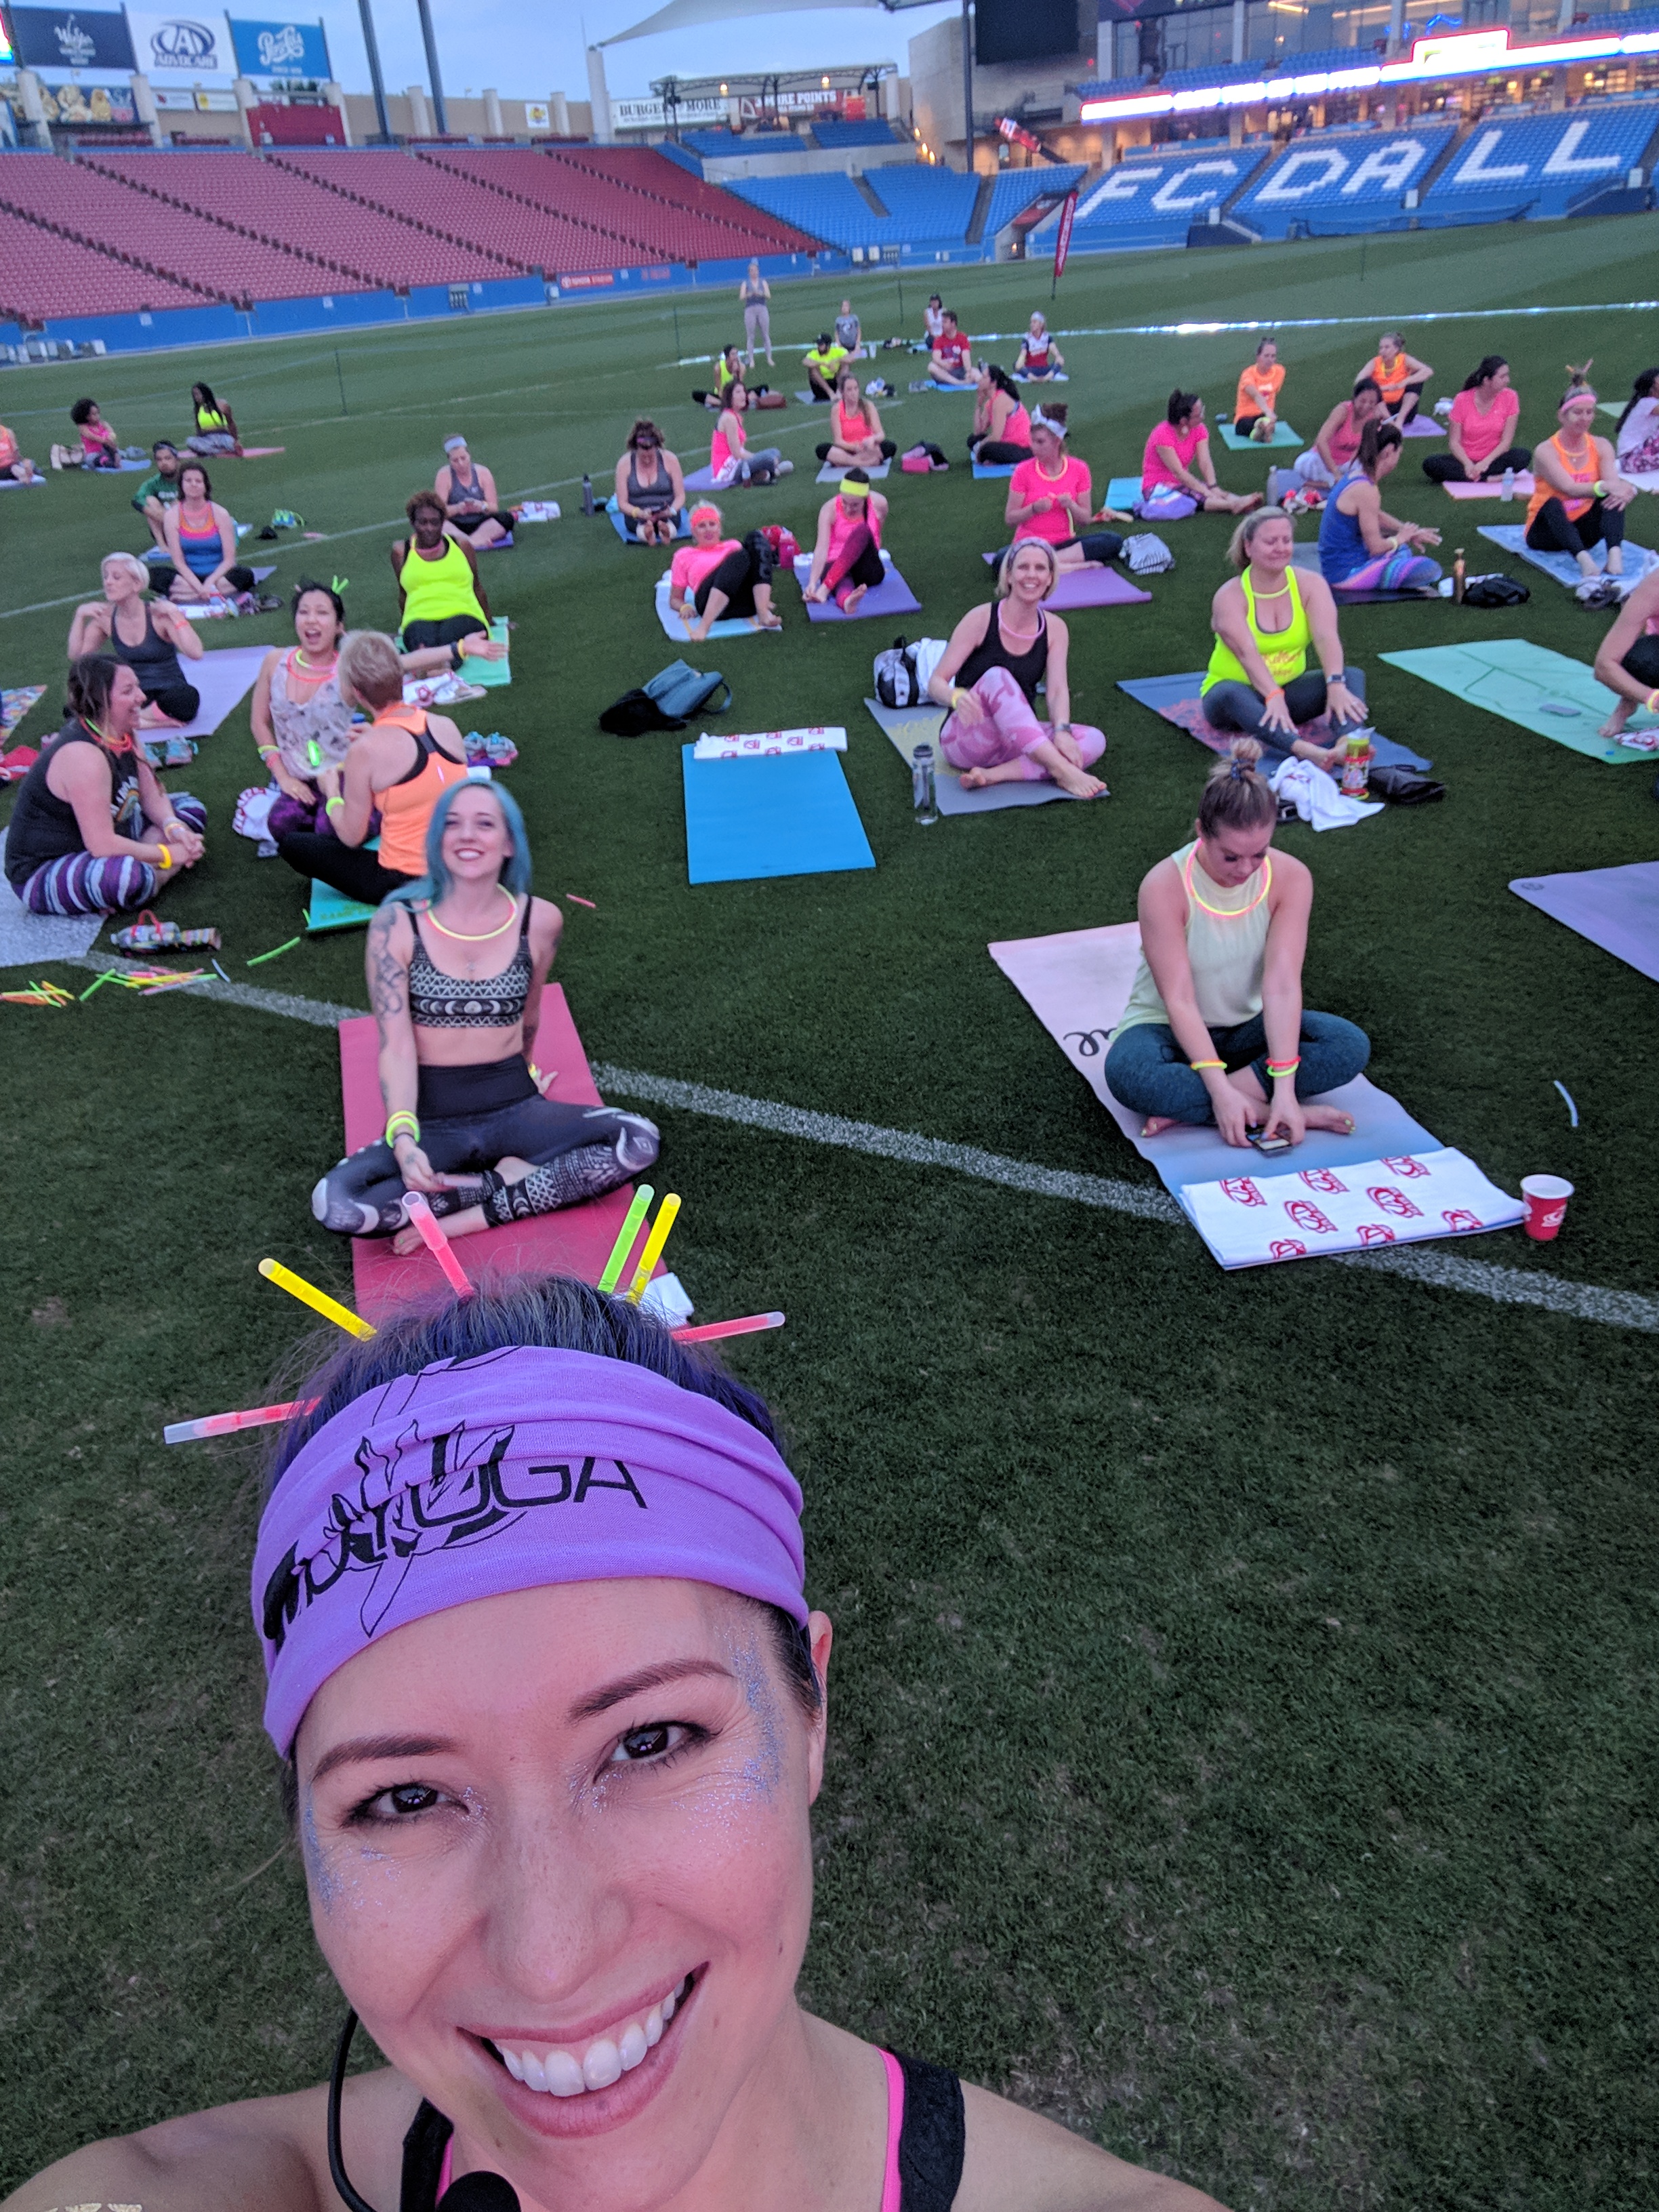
pixel 924 796
pixel 588 496
pixel 1507 492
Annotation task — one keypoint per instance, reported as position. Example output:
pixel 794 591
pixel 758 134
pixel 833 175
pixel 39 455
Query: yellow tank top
pixel 1284 651
pixel 1226 946
pixel 436 590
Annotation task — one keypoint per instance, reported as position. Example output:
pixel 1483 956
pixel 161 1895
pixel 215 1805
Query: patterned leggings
pixel 1008 730
pixel 1399 571
pixel 78 884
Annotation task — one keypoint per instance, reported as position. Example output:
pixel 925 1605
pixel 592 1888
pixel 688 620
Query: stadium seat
pixel 1154 199
pixel 1335 182
pixel 1015 189
pixel 871 132
pixel 1542 166
pixel 827 206
pixel 929 207
pixel 45 275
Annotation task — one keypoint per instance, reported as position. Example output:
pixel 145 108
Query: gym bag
pixel 1495 591
pixel 901 673
pixel 667 702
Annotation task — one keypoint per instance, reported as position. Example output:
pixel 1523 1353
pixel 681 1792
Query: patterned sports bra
pixel 439 1001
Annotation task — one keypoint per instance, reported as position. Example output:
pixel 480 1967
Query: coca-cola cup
pixel 1546 1199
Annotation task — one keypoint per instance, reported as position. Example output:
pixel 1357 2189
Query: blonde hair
pixel 1236 797
pixel 1006 565
pixel 131 563
pixel 368 668
pixel 1238 545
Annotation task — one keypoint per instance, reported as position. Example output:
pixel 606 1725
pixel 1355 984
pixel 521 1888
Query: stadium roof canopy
pixel 686 14
pixel 776 84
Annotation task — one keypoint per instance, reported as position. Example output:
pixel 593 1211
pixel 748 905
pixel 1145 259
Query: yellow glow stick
pixel 654 1244
pixel 318 1301
pixel 625 1235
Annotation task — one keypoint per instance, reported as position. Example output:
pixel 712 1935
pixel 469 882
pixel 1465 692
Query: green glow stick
pixel 624 1244
pixel 273 950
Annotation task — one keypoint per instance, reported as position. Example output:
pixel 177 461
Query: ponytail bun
pixel 1245 753
pixel 1236 796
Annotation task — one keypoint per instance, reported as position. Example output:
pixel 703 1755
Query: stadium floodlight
pixel 372 47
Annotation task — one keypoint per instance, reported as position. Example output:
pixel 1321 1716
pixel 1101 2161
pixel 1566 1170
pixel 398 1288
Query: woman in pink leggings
pixel 988 677
pixel 846 558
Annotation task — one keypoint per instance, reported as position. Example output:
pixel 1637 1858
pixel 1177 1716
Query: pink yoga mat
pixel 1523 488
pixel 576 1241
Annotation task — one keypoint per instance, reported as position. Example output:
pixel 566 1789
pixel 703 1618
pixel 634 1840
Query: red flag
pixel 1063 243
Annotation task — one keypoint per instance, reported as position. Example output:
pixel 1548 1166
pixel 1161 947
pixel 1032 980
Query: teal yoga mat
pixel 1530 686
pixel 1283 435
pixel 1122 492
pixel 782 815
pixel 332 909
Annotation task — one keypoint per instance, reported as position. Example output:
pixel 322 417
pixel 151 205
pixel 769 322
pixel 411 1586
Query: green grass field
pixel 1245 1684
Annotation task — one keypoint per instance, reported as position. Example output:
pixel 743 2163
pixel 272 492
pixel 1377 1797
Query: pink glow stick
pixel 747 1326
pixel 225 1425
pixel 433 1237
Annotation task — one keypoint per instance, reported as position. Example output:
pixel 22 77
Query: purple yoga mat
pixel 1423 425
pixel 892 596
pixel 1093 584
pixel 1617 908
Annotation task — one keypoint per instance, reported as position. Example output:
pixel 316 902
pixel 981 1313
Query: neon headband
pixel 518 1470
pixel 853 490
pixel 1572 399
pixel 450 444
pixel 707 507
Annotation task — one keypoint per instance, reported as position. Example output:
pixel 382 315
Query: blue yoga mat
pixel 784 815
pixel 1168 695
pixel 999 469
pixel 1122 492
pixel 620 525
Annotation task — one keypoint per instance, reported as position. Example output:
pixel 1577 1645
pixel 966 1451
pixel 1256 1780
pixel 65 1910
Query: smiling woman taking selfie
pixel 529 1584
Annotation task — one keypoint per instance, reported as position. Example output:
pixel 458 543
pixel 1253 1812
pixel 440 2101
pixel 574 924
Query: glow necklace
pixel 482 937
pixel 1230 913
pixel 312 667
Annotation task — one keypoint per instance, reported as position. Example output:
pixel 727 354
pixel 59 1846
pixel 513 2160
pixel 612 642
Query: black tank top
pixel 152 660
pixel 1027 668
pixel 930 2143
pixel 43 827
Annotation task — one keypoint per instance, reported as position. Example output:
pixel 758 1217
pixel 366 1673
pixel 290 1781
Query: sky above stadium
pixel 526 52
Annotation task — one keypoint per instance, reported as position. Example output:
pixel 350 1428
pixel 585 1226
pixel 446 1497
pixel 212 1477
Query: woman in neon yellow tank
pixel 1215 1030
pixel 439 591
pixel 1266 619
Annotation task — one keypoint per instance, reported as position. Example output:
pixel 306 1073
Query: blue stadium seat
pixel 1338 182
pixel 929 207
pixel 721 141
pixel 1114 88
pixel 828 206
pixel 1017 188
pixel 1153 199
pixel 1542 166
pixel 872 132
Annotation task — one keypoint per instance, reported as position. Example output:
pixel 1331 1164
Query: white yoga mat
pixel 27 938
pixel 224 680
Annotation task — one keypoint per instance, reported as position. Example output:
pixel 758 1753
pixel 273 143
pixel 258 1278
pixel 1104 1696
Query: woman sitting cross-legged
pixel 846 558
pixel 1215 1030
pixel 1051 497
pixel 439 594
pixel 1176 462
pixel 855 430
pixel 715 576
pixel 396 766
pixel 1628 662
pixel 1001 435
pixel 1038 356
pixel 149 636
pixel 214 430
pixel 729 454
pixel 1256 409
pixel 100 447
pixel 1361 549
pixel 1580 497
pixel 1636 435
pixel 988 676
pixel 92 831
pixel 467 489
pixel 201 541
pixel 1480 430
pixel 456 963
pixel 1266 618
pixel 650 486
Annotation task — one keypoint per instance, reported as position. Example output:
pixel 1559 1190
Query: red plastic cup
pixel 1546 1199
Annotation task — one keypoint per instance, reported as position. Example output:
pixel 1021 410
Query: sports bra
pixel 438 1000
pixel 993 651
pixel 405 806
pixel 926 2134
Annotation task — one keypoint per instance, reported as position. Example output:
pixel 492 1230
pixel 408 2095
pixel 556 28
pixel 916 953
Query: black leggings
pixel 888 449
pixel 418 635
pixel 1396 410
pixel 997 453
pixel 470 522
pixel 351 869
pixel 574 1152
pixel 1552 530
pixel 1098 545
pixel 1446 468
pixel 236 580
pixel 180 702
pixel 747 565
pixel 1642 662
pixel 1230 705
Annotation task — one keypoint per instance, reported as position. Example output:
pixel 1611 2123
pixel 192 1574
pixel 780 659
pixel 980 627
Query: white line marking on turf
pixel 1434 1265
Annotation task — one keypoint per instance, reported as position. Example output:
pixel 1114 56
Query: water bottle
pixel 588 496
pixel 1459 572
pixel 924 797
pixel 1508 493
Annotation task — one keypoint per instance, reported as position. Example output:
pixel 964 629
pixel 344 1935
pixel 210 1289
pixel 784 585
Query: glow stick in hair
pixel 225 1425
pixel 654 1244
pixel 437 1242
pixel 625 1235
pixel 318 1301
pixel 746 1326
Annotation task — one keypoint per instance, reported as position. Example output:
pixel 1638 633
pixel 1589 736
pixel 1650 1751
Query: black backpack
pixel 1495 591
pixel 667 702
pixel 895 673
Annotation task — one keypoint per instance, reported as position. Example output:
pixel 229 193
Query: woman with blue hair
pixel 466 1122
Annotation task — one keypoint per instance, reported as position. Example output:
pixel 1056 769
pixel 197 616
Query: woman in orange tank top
pixel 1398 375
pixel 856 440
pixel 1579 500
pixel 398 768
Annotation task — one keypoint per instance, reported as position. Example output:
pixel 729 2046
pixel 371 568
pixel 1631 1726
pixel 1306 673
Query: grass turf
pixel 1245 1683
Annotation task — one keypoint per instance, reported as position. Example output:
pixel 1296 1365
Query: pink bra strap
pixel 444 2170
pixel 892 2189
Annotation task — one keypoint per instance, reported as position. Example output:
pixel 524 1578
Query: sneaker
pixel 786 468
pixel 1600 592
pixel 265 604
pixel 266 850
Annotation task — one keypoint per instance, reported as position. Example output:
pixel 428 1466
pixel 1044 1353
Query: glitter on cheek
pixel 319 1870
pixel 761 1771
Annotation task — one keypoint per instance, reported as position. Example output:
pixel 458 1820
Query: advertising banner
pixel 91 104
pixel 70 37
pixel 197 45
pixel 281 49
pixel 1063 243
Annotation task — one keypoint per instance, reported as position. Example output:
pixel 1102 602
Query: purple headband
pixel 512 1471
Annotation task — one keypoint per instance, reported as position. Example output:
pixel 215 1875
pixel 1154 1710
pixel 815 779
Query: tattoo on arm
pixel 386 972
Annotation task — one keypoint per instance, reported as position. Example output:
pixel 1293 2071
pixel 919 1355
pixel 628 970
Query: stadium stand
pixel 45 272
pixel 1154 200
pixel 1114 88
pixel 831 207
pixel 835 135
pixel 630 193
pixel 1541 166
pixel 929 207
pixel 1015 189
pixel 721 140
pixel 85 202
pixel 265 201
pixel 1341 182
pixel 518 235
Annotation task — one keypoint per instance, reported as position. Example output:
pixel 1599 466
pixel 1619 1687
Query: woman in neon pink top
pixel 1177 464
pixel 715 576
pixel 1051 496
pixel 1480 433
pixel 1002 427
pixel 729 455
pixel 549 1699
pixel 846 558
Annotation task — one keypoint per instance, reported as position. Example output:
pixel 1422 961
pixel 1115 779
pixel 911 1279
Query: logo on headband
pixel 425 1496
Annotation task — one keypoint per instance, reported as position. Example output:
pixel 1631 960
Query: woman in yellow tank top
pixel 438 591
pixel 1579 498
pixel 1215 1030
pixel 1266 619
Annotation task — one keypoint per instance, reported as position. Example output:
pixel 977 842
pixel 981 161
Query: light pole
pixel 432 69
pixel 967 89
pixel 372 45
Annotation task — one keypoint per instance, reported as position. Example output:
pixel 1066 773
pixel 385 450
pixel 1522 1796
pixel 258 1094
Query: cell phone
pixel 1268 1141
